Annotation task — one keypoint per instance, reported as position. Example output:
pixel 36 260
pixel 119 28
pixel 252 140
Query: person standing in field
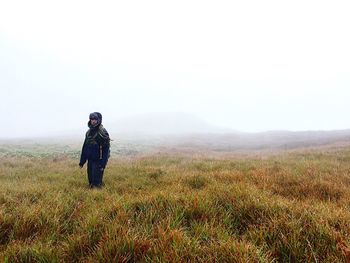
pixel 95 150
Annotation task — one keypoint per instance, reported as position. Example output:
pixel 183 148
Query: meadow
pixel 291 206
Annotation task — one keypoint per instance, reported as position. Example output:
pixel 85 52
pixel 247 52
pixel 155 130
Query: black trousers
pixel 95 175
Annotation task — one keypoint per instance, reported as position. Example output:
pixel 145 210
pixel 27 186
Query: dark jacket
pixel 96 146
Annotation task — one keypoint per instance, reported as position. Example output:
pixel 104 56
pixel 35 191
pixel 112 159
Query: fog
pixel 234 65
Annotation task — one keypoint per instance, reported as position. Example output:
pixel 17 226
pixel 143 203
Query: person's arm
pixel 105 156
pixel 83 157
pixel 104 142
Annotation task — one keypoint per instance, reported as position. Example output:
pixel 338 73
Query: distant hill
pixel 163 123
pixel 272 140
pixel 187 133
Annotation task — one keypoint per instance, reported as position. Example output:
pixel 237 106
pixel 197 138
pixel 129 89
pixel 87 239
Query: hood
pixel 95 115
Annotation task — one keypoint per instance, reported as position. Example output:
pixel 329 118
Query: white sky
pixel 248 65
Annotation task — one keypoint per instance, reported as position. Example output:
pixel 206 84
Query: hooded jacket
pixel 96 145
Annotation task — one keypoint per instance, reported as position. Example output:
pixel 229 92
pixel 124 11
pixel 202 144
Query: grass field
pixel 287 207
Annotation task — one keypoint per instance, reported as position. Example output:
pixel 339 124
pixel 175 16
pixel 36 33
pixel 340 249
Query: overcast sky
pixel 248 65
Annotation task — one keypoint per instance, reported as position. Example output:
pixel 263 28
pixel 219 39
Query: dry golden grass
pixel 288 208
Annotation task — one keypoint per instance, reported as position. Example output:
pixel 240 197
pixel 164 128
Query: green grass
pixel 291 207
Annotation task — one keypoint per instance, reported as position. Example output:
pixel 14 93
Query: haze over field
pixel 246 66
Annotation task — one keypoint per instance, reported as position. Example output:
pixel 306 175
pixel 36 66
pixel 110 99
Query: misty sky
pixel 247 65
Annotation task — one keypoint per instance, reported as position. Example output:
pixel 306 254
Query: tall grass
pixel 288 208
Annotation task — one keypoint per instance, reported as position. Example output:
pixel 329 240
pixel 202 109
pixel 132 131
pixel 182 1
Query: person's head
pixel 95 119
